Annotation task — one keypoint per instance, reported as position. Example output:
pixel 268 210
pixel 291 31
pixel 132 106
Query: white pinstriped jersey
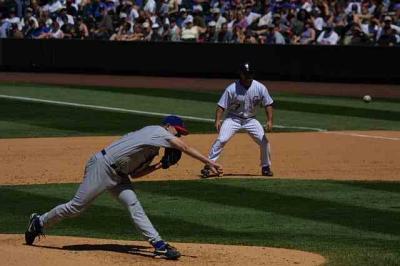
pixel 241 102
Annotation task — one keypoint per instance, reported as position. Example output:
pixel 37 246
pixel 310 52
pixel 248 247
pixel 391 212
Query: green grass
pixel 350 223
pixel 25 119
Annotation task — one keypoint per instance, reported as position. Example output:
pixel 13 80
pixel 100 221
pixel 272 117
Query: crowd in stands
pixel 324 22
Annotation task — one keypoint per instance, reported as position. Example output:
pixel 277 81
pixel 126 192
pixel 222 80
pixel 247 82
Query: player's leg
pixel 228 128
pixel 96 180
pixel 256 131
pixel 124 193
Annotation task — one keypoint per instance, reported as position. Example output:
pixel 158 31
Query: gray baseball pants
pixel 99 177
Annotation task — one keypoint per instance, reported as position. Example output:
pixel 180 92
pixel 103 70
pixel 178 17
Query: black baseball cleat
pixel 164 250
pixel 266 171
pixel 205 172
pixel 34 229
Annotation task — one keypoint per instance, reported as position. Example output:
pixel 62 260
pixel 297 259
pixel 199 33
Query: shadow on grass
pixel 16 205
pixel 385 186
pixel 356 217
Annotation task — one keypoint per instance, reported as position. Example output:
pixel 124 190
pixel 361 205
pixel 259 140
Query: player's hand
pixel 268 126
pixel 216 169
pixel 218 125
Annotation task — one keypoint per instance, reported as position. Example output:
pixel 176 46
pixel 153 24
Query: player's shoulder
pixel 259 84
pixel 231 86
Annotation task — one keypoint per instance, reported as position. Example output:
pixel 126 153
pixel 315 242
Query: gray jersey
pixel 136 150
pixel 241 102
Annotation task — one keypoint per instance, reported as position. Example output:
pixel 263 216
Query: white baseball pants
pixel 231 126
pixel 99 177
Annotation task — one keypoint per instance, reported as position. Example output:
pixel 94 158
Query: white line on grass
pixel 98 107
pixel 122 110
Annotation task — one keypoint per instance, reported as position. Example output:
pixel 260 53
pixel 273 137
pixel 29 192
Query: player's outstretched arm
pixel 192 152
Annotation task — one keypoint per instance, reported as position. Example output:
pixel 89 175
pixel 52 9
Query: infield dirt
pixel 333 155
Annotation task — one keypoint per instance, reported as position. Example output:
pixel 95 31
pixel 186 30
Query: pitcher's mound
pixel 66 251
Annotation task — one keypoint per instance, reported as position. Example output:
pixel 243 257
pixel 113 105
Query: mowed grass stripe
pixel 163 101
pixel 350 223
pixel 54 120
pixel 284 100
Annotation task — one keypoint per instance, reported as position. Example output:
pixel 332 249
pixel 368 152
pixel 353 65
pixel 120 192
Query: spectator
pixel 156 36
pixel 138 33
pixel 29 17
pixel 238 35
pixel 250 38
pixel 173 7
pixel 147 31
pixel 150 6
pixel 308 36
pixel 224 35
pixel 191 33
pixel 211 32
pixel 43 30
pixel 198 17
pixel 251 16
pixel 15 33
pixel 241 20
pixel 387 23
pixel 218 18
pixel 106 21
pixel 356 37
pixel 328 36
pixel 55 31
pixel 174 32
pixel 99 18
pixel 81 29
pixel 273 36
pixel 387 35
pixel 298 23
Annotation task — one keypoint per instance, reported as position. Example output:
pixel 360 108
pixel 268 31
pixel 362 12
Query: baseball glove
pixel 171 157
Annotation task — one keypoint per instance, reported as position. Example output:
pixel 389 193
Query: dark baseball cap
pixel 177 123
pixel 246 69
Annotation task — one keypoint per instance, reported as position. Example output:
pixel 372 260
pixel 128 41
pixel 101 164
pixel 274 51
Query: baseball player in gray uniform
pixel 240 100
pixel 111 170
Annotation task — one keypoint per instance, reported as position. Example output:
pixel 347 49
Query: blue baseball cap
pixel 177 123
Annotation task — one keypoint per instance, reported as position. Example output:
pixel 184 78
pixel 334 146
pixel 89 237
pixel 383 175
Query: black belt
pixel 113 166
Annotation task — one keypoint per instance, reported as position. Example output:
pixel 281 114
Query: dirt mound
pixel 65 251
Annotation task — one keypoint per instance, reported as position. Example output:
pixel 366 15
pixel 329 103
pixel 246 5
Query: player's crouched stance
pixel 240 99
pixel 111 169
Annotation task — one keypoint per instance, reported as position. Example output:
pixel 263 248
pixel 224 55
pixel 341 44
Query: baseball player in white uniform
pixel 110 170
pixel 240 99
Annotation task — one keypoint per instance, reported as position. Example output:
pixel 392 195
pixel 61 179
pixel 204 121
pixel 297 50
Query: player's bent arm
pixel 192 152
pixel 218 117
pixel 270 116
pixel 147 171
pixel 219 113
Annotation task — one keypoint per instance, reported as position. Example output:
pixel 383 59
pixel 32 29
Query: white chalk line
pixel 123 110
pixel 362 135
pixel 190 118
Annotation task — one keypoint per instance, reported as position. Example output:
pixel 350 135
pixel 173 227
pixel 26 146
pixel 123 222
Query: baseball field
pixel 334 199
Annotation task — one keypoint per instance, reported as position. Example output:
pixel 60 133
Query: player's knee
pixel 221 141
pixel 74 208
pixel 262 140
